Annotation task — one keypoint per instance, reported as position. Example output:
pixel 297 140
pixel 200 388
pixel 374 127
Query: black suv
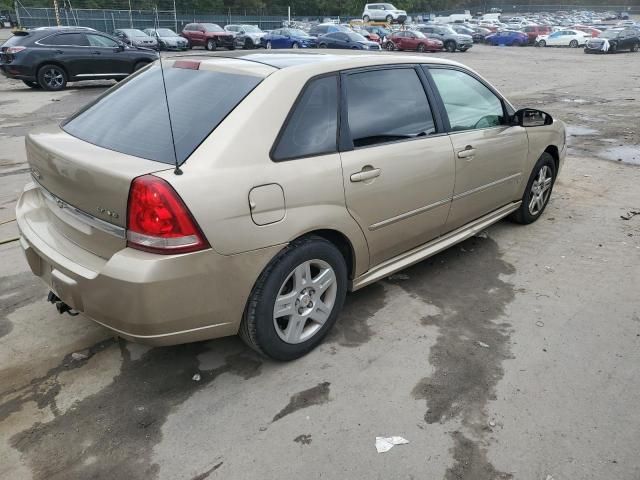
pixel 614 40
pixel 51 57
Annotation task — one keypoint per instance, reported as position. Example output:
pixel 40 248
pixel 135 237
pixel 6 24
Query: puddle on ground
pixel 579 130
pixel 623 153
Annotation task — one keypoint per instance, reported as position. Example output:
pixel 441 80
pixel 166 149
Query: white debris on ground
pixel 384 444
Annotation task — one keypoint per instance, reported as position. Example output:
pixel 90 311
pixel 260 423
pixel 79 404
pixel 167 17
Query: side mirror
pixel 530 117
pixel 120 47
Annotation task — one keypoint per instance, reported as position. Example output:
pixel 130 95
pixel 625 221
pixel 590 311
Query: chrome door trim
pixel 101 74
pixel 80 215
pixel 409 214
pixel 486 186
pixel 431 248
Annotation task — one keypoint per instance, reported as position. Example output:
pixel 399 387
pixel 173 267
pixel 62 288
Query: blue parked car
pixel 287 38
pixel 511 38
pixel 352 41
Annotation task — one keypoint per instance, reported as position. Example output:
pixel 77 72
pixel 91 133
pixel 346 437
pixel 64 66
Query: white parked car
pixel 383 12
pixel 563 38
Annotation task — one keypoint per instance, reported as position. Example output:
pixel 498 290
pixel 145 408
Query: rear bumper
pixel 17 71
pixel 147 298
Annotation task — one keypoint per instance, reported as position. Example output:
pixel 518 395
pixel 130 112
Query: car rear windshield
pixel 15 40
pixel 133 118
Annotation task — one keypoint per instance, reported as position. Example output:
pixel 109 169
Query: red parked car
pixel 594 32
pixel 532 32
pixel 207 35
pixel 408 40
pixel 372 37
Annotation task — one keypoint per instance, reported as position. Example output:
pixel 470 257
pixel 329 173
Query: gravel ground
pixel 512 355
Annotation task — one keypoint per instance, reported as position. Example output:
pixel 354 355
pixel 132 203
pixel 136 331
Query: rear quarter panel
pixel 235 158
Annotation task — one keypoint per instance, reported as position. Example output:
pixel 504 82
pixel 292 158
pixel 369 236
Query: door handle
pixel 96 52
pixel 468 152
pixel 366 174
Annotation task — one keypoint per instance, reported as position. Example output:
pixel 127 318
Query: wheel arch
pixel 341 242
pixel 52 62
pixel 553 151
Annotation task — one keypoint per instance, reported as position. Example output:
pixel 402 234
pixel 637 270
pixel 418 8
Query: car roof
pixel 311 62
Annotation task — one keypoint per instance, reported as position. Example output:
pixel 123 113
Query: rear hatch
pixel 19 39
pixel 84 171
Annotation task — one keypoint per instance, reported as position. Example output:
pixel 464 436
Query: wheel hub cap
pixel 305 301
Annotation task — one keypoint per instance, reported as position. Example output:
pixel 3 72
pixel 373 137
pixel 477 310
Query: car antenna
pixel 177 170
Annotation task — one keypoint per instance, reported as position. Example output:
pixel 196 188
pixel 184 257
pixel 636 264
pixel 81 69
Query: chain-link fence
pixel 142 14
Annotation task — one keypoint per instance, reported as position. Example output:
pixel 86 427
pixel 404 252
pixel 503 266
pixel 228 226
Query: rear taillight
pixel 14 50
pixel 158 221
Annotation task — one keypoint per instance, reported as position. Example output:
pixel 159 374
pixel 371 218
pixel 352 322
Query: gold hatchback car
pixel 214 195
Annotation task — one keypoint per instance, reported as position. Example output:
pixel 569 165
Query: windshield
pixel 356 37
pixel 165 32
pixel 212 27
pixel 294 32
pixel 135 33
pixel 251 29
pixel 419 35
pixel 610 34
pixel 447 30
pixel 132 118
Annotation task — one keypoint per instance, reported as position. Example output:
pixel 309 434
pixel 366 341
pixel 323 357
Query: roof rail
pixel 215 55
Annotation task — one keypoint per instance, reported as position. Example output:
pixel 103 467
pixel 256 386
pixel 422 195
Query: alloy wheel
pixel 540 190
pixel 305 301
pixel 54 78
pixel 573 44
pixel 295 45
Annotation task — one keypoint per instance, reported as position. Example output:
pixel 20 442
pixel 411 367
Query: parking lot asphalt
pixel 512 355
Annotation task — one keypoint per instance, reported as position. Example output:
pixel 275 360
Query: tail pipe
pixel 60 305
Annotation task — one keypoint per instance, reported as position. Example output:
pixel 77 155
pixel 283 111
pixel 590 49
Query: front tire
pixel 295 45
pixel 269 46
pixel 366 19
pixel 296 299
pixel 390 46
pixel 421 48
pixel 450 46
pixel 139 65
pixel 573 44
pixel 635 47
pixel 542 43
pixel 389 19
pixel 52 78
pixel 538 192
pixel 210 45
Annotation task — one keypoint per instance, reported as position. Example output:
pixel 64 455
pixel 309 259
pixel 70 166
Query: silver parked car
pixel 135 37
pixel 246 36
pixel 168 39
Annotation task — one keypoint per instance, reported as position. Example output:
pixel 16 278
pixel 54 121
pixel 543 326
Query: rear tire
pixel 635 47
pixel 52 78
pixel 526 213
pixel 295 276
pixel 366 19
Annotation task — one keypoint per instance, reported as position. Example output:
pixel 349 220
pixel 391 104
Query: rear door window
pixel 378 114
pixel 101 41
pixel 133 119
pixel 66 39
pixel 312 127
